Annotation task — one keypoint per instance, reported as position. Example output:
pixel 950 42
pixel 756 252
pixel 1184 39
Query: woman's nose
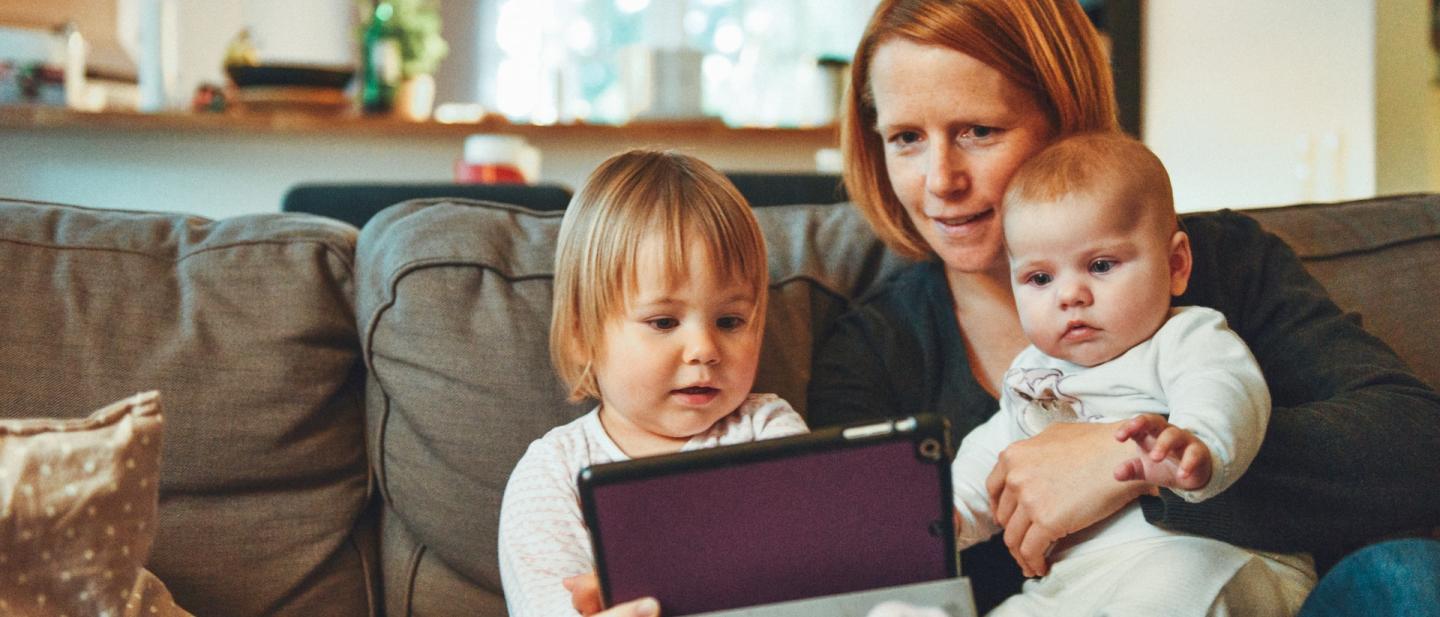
pixel 700 348
pixel 946 172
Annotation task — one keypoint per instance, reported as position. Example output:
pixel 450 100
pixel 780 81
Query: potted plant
pixel 401 50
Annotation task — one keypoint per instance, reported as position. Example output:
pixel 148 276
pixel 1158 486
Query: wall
pixel 226 174
pixel 1407 99
pixel 1260 103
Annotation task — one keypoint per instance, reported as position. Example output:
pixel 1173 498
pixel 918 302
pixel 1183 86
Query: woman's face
pixel 954 131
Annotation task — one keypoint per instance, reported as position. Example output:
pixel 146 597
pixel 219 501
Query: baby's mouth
pixel 697 390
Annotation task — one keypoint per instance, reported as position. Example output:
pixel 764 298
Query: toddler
pixel 660 292
pixel 1096 254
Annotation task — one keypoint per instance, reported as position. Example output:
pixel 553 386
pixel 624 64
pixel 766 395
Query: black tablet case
pixel 835 511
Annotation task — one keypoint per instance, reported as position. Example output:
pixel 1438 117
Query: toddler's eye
pixel 1101 266
pixel 730 323
pixel 1039 279
pixel 664 323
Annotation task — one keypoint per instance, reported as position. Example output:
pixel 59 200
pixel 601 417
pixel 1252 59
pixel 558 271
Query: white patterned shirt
pixel 543 539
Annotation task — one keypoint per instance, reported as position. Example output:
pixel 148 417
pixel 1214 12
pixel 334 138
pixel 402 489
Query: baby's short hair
pixel 632 197
pixel 1088 164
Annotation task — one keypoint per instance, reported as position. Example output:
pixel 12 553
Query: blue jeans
pixel 1397 577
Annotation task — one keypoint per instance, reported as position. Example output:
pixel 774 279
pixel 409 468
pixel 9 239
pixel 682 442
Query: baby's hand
pixel 1170 456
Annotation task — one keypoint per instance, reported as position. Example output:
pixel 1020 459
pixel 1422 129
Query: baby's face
pixel 1090 281
pixel 680 356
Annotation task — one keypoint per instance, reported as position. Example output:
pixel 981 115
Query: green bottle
pixel 379 62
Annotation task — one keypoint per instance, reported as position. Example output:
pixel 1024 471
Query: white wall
pixel 1265 102
pixel 225 174
pixel 1407 99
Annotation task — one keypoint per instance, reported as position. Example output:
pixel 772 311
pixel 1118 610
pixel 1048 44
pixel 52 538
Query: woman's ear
pixel 1180 263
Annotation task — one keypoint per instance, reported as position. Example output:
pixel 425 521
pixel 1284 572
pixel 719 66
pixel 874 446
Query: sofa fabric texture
pixel 302 365
pixel 246 327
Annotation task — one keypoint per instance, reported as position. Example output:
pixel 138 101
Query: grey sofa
pixel 343 408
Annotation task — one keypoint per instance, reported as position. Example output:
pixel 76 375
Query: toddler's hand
pixel 1170 456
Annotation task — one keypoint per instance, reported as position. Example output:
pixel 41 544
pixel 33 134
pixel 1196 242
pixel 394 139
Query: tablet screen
pixel 835 511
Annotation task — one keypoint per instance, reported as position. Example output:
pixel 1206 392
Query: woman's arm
pixel 1350 452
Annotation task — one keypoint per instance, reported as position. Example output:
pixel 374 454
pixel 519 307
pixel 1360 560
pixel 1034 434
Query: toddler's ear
pixel 1180 263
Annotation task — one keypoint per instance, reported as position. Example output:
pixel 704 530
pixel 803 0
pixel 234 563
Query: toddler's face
pixel 681 356
pixel 1089 281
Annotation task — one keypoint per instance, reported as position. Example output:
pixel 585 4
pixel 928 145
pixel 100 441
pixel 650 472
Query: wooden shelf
pixel 42 117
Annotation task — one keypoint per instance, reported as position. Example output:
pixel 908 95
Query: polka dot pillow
pixel 77 513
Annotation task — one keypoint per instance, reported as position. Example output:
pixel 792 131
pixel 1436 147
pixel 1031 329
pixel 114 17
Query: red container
pixel 495 159
pixel 487 173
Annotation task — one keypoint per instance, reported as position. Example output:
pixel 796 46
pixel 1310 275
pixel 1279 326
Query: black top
pixel 1349 455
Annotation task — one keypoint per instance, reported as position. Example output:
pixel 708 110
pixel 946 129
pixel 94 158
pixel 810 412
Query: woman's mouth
pixel 958 225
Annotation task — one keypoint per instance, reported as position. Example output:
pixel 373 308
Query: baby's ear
pixel 1180 263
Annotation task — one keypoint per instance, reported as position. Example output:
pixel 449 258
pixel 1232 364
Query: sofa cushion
pixel 247 327
pixel 1379 258
pixel 80 499
pixel 454 302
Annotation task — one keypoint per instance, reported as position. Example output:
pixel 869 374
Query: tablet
pixel 839 510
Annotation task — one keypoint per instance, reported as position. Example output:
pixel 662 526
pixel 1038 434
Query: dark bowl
pixel 290 75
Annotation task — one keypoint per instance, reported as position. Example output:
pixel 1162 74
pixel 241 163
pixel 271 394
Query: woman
pixel 948 99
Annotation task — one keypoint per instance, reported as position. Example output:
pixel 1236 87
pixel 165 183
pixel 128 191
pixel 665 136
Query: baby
pixel 1096 254
pixel 659 309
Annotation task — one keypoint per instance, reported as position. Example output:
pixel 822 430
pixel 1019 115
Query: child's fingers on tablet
pixel 584 593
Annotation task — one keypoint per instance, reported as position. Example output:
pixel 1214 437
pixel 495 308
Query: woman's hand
pixel 1057 483
pixel 585 597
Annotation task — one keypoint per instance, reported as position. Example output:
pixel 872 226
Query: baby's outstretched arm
pixel 1170 456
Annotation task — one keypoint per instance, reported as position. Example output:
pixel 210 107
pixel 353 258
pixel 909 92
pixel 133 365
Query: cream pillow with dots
pixel 77 513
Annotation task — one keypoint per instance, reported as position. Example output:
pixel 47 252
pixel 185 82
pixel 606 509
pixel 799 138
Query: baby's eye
pixel 664 323
pixel 1039 279
pixel 730 322
pixel 1101 266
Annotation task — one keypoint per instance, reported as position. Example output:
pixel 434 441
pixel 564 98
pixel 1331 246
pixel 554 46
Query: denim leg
pixel 1397 577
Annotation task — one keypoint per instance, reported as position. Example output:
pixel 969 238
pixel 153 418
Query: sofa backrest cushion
pixel 246 326
pixel 1378 258
pixel 454 304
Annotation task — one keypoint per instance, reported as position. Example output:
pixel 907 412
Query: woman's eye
pixel 730 323
pixel 1101 266
pixel 905 138
pixel 1039 279
pixel 981 132
pixel 664 323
